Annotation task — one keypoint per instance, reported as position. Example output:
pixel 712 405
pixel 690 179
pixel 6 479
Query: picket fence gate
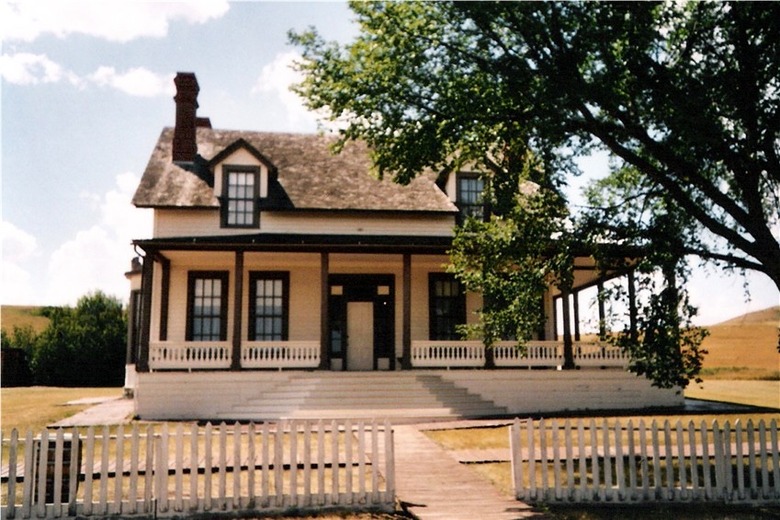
pixel 582 461
pixel 153 471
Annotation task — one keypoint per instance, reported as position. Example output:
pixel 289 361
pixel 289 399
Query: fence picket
pixel 752 458
pixel 764 460
pixel 556 460
pixel 27 486
pixel 251 464
pixel 632 480
pixel 320 463
pixel 645 466
pixel 222 462
pixel 594 446
pixel 119 463
pixel 294 463
pixel 681 491
pixel 705 458
pixel 619 475
pixel 607 461
pixel 178 497
pixel 208 468
pixel 740 460
pixel 668 454
pixel 657 483
pixel 696 492
pixel 307 463
pixel 192 503
pixel 532 494
pixel 237 466
pixel 334 494
pixel 278 466
pixel 727 461
pixel 12 456
pixel 266 465
pixel 348 460
pixel 569 460
pixel 775 458
pixel 543 457
pixel 583 470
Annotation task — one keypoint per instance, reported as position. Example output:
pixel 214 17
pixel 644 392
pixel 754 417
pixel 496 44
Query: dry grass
pixel 35 407
pixel 21 316
pixel 744 348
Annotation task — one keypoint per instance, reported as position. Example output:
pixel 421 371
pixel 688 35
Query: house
pixel 285 281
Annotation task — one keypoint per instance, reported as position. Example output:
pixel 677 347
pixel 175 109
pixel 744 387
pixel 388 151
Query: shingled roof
pixel 312 177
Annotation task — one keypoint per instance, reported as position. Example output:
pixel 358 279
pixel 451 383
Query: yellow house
pixel 285 281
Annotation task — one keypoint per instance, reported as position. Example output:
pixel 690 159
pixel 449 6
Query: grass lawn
pixel 35 407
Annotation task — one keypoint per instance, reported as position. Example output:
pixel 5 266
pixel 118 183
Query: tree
pixel 685 96
pixel 82 346
pixel 686 93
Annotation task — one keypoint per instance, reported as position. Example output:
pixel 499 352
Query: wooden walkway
pixel 432 485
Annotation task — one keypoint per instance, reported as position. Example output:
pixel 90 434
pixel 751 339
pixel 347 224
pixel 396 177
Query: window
pixel 240 189
pixel 446 306
pixel 207 306
pixel 470 188
pixel 269 306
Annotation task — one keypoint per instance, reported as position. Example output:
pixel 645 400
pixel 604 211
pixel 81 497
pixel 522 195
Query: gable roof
pixel 312 177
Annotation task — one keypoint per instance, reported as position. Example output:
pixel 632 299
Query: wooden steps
pixel 356 395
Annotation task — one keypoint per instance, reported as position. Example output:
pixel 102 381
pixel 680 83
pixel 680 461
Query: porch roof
pixel 288 242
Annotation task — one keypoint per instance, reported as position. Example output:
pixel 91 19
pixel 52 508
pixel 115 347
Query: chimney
pixel 185 147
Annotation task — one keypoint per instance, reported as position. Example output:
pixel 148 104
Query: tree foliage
pixel 684 96
pixel 686 93
pixel 82 345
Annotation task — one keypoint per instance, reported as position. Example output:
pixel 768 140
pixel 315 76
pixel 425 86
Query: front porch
pixel 254 395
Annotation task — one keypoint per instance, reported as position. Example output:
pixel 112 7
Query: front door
pixel 361 331
pixel 360 336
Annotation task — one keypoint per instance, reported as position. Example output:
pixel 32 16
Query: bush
pixel 82 346
pixel 17 349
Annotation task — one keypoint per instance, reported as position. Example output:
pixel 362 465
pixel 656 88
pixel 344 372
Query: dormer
pixel 242 176
pixel 465 188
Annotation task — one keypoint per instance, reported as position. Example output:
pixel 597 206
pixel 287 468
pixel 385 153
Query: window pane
pixel 206 304
pixel 268 311
pixel 241 202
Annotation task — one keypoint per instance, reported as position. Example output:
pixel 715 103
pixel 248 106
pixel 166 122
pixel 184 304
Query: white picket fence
pixel 152 470
pixel 582 461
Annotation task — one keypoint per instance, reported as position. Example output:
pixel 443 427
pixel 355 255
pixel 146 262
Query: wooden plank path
pixel 432 485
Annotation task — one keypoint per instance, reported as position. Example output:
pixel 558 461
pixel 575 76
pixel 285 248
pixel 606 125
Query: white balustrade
pixel 280 354
pixel 446 354
pixel 189 355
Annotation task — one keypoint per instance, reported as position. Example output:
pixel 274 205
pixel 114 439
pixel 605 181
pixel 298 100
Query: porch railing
pixel 189 355
pixel 214 355
pixel 451 354
pixel 280 354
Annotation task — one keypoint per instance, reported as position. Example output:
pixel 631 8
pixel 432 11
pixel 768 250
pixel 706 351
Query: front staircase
pixel 362 395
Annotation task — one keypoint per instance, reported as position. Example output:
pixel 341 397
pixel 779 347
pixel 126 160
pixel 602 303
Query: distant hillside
pixel 744 347
pixel 20 316
pixel 770 316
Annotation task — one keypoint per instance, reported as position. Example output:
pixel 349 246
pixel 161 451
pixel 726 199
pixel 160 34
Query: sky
pixel 87 87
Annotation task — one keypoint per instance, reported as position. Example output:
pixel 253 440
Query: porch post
pixel 164 295
pixel 602 313
pixel 324 297
pixel 147 279
pixel 238 297
pixel 576 297
pixel 632 312
pixel 406 357
pixel 568 347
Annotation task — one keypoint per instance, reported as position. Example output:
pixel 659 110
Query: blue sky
pixel 86 89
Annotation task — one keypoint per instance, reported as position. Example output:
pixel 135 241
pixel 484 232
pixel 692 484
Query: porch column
pixel 406 357
pixel 568 347
pixel 238 298
pixel 576 297
pixel 147 279
pixel 632 312
pixel 165 289
pixel 324 297
pixel 602 313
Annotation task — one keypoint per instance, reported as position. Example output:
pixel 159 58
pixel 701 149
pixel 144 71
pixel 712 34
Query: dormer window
pixel 240 193
pixel 469 196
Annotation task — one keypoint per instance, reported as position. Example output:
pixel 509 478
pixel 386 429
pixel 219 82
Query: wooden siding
pixel 170 223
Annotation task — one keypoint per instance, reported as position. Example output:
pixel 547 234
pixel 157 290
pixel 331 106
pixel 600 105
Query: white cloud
pixel 18 247
pixel 276 78
pixel 32 69
pixel 135 82
pixel 113 21
pixel 25 68
pixel 97 258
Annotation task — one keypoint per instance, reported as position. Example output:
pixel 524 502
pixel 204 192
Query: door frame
pixel 376 288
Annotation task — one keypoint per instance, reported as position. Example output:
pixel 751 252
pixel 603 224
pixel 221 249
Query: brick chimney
pixel 185 147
